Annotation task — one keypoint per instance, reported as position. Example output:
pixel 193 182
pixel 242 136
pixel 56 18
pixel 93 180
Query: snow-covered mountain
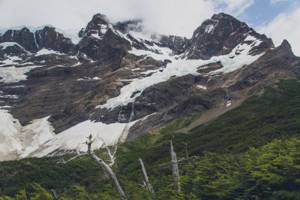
pixel 119 81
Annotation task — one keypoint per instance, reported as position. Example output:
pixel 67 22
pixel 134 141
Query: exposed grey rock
pixel 49 38
pixel 24 37
pixel 176 43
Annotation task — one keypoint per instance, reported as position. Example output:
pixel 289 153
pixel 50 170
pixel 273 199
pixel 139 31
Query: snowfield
pixel 38 139
pixel 239 57
pixel 75 137
pixel 10 144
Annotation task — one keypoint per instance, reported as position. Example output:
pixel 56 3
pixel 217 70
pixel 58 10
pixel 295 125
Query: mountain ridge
pixel 93 87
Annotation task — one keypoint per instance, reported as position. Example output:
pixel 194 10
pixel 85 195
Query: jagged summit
pixel 98 26
pixel 24 37
pixel 286 46
pixel 219 35
pixel 47 37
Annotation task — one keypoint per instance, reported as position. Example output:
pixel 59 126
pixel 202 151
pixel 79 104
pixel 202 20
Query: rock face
pixel 101 42
pixel 219 35
pixel 176 43
pixel 23 37
pixel 117 74
pixel 49 38
pixel 98 26
pixel 12 49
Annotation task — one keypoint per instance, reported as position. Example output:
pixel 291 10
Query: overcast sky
pixel 278 18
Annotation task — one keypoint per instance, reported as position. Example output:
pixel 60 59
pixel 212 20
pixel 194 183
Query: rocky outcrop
pixel 176 43
pixel 12 49
pixel 278 63
pixel 23 37
pixel 49 38
pixel 102 43
pixel 97 27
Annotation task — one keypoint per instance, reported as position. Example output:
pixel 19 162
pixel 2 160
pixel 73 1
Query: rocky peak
pixel 23 37
pixel 282 52
pixel 97 27
pixel 102 42
pixel 219 35
pixel 49 38
pixel 286 46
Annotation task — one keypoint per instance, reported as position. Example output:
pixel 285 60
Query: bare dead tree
pixel 146 179
pixel 54 194
pixel 175 168
pixel 105 165
pixel 111 152
pixel 89 143
pixel 112 175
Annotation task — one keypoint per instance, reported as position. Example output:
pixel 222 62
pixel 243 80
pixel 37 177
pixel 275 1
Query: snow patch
pixel 10 60
pixel 10 144
pixel 15 74
pixel 38 139
pixel 34 135
pixel 95 35
pixel 157 53
pixel 209 28
pixel 75 137
pixel 8 96
pixel 96 78
pixel 202 87
pixel 5 45
pixel 47 52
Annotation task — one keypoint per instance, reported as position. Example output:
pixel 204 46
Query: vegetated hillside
pixel 251 152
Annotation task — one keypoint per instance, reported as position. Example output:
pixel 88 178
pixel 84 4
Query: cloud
pixel 235 7
pixel 285 26
pixel 278 1
pixel 180 17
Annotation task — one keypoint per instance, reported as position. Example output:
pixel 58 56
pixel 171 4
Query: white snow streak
pixel 209 28
pixel 47 52
pixel 4 45
pixel 239 57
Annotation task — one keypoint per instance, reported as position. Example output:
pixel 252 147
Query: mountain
pixel 120 80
